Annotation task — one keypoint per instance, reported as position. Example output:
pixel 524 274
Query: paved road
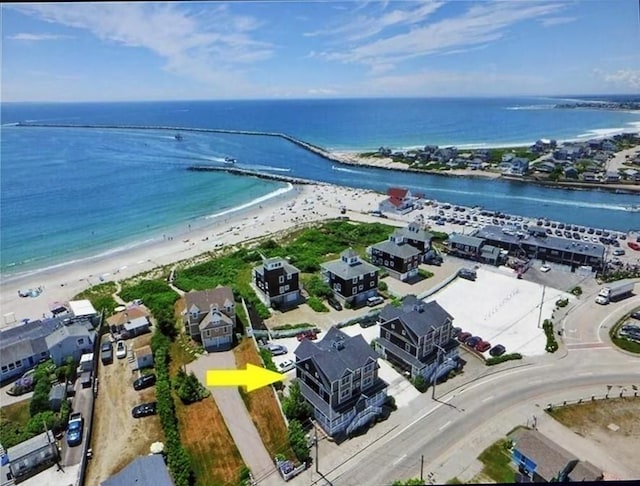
pixel 235 414
pixel 83 403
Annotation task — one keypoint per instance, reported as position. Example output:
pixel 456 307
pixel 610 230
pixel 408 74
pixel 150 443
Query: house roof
pixel 203 299
pixel 143 351
pixel 29 446
pixel 336 353
pixel 347 271
pixel 288 268
pixel 65 332
pixel 415 231
pixel 207 323
pixel 585 471
pixel 143 471
pixel 418 316
pixel 136 323
pixel 82 308
pixel 403 250
pixel 549 457
pixel 397 192
pixel 130 314
pixel 28 339
pixel 551 242
pixel 490 251
pixel 467 240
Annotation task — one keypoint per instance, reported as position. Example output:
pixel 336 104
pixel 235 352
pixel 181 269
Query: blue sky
pixel 291 49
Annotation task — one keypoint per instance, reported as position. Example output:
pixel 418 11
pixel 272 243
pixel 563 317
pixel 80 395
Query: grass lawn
pixel 497 463
pixel 263 406
pixel 18 413
pixel 589 416
pixel 100 297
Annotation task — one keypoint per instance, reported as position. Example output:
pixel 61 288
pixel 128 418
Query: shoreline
pixel 300 205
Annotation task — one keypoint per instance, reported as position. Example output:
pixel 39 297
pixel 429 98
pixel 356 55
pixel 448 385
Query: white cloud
pixel 208 45
pixel 551 21
pixel 623 78
pixel 481 24
pixel 321 91
pixel 26 36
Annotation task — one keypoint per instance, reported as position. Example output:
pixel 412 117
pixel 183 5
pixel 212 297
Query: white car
pixel 545 268
pixel 286 365
pixel 121 350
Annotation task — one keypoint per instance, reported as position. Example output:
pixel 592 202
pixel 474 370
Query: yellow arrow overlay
pixel 253 377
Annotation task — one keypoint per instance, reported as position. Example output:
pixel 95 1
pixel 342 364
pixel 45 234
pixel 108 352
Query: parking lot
pixel 502 309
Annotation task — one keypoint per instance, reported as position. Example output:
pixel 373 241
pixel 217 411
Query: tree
pixel 295 407
pixel 409 482
pixel 317 287
pixel 420 383
pixel 298 441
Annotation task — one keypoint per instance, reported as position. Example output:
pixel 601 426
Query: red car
pixel 634 246
pixel 307 335
pixel 483 346
pixel 463 336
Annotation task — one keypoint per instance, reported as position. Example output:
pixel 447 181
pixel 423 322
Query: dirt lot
pixel 117 437
pixel 592 420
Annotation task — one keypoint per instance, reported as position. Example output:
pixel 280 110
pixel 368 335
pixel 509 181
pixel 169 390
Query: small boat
pixel 178 137
pixel 229 160
pixel 634 208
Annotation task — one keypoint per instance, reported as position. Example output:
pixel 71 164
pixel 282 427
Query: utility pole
pixel 421 467
pixel 315 440
pixel 435 373
pixel 544 287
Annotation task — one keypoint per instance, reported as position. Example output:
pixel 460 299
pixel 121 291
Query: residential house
pixel 72 341
pixel 611 177
pixel 134 320
pixel 570 172
pixel 57 395
pixel 352 280
pixel 83 309
pixel 416 235
pixel 475 164
pixel 338 376
pixel 546 167
pixel 277 283
pixel 396 255
pixel 23 346
pixel 608 146
pixel 589 177
pixel 519 166
pixel 143 357
pixel 31 457
pixel 507 157
pixel 541 460
pixel 465 246
pixel 399 201
pixel 417 337
pixel 148 470
pixel 210 317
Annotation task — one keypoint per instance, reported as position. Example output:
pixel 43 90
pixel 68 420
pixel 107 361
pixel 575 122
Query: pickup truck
pixel 74 429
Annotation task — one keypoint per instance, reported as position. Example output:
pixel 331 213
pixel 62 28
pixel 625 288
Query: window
pixel 372 274
pixel 4 369
pixel 360 287
pixel 345 380
pixel 354 291
pixel 288 276
pixel 281 290
pixel 355 280
pixel 387 335
pixel 338 287
pixel 407 348
pixel 345 393
pixel 80 341
pixel 18 364
pixel 386 263
pixel 281 279
pixel 367 381
pixel 12 366
pixel 286 288
pixel 371 284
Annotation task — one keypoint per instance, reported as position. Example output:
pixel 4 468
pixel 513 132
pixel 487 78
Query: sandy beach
pixel 302 204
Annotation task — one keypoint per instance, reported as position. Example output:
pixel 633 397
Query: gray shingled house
pixel 396 255
pixel 338 376
pixel 210 317
pixel 418 338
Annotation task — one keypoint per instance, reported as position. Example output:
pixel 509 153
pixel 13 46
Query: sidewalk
pixel 235 414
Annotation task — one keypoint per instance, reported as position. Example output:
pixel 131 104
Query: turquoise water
pixel 71 192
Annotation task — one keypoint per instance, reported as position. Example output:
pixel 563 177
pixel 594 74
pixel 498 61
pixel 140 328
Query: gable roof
pixel 403 251
pixel 415 231
pixel 334 360
pixel 346 271
pixel 206 321
pixel 64 332
pixel 397 192
pixel 549 457
pixel 127 315
pixel 142 471
pixel 416 315
pixel 203 299
pixel 465 240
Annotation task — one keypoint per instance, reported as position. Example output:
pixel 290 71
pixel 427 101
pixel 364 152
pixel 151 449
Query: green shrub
pixel 382 286
pixel 317 305
pixel 188 387
pixel 294 406
pixel 562 302
pixel 494 360
pixel 420 383
pixel 100 296
pixel 552 345
pixel 298 441
pixel 425 273
pixel 317 287
pixel 577 291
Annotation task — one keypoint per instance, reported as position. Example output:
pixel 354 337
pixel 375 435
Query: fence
pixel 623 393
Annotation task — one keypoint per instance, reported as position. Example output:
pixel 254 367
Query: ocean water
pixel 72 192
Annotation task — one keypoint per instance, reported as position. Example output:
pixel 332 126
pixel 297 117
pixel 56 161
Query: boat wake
pixel 350 171
pixel 266 167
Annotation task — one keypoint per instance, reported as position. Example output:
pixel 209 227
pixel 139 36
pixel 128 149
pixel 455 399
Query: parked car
pixel 335 303
pixel 635 315
pixel 497 350
pixel 275 349
pixel 545 268
pixel 121 350
pixel 144 410
pixel 456 331
pixel 106 352
pixel 307 335
pixel 286 365
pixel 483 346
pixel 472 341
pixel 368 322
pixel 144 381
pixel 467 273
pixel 463 336
pixel 618 252
pixel 74 429
pixel 373 301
